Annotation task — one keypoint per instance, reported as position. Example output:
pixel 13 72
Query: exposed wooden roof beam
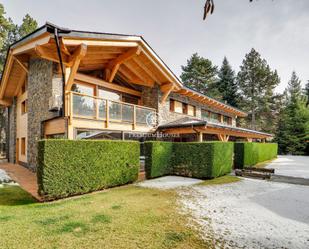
pixel 41 40
pixel 167 92
pixel 6 74
pixel 149 57
pixel 144 77
pixel 182 91
pixel 50 54
pixel 64 47
pixel 142 65
pixel 5 102
pixel 166 87
pixel 21 64
pixel 20 82
pixel 114 65
pixel 78 54
pixel 99 82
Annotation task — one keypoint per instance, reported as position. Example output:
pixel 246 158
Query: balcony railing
pixel 96 108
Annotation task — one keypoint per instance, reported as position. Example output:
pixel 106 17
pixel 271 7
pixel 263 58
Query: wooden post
pixel 134 117
pixel 70 108
pixel 199 137
pixel 96 108
pixel 107 113
pixel 249 139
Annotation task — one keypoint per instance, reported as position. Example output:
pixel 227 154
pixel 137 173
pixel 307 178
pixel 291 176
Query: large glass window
pixel 227 120
pixel 130 99
pixel 83 105
pixel 205 114
pixel 191 110
pixel 84 89
pixel 105 94
pixel 180 107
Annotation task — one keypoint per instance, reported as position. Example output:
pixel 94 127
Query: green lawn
pixel 125 217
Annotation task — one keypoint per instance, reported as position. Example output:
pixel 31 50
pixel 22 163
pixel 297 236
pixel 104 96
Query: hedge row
pixel 158 161
pixel 199 160
pixel 249 154
pixel 72 167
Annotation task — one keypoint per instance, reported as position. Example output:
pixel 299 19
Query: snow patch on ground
pixel 251 213
pixel 4 177
pixel 169 182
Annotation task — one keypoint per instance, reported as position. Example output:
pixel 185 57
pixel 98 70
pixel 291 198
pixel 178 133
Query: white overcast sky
pixel 278 29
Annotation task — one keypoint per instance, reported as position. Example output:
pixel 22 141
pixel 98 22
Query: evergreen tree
pixel 10 33
pixel 227 85
pixel 4 29
pixel 293 129
pixel 257 82
pixel 200 75
pixel 306 92
pixel 28 26
pixel 13 32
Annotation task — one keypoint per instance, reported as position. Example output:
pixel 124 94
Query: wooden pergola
pixel 223 132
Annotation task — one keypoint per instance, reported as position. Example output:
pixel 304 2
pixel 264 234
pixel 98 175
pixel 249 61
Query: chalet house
pixel 61 83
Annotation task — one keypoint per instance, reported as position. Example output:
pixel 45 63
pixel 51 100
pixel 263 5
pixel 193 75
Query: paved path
pixel 296 166
pixel 24 177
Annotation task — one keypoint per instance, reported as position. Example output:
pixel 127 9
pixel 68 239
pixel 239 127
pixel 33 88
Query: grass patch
pixel 147 218
pixel 73 227
pixel 220 180
pixel 101 218
pixel 14 195
pixel 174 237
pixel 115 207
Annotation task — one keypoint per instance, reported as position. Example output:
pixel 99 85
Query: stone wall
pixel 151 97
pixel 40 89
pixel 11 138
pixel 168 116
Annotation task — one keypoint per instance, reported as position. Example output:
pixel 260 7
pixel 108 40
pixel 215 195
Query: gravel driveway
pixel 251 213
pixel 297 166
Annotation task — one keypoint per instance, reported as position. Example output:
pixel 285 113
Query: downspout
pixel 62 71
pixel 7 131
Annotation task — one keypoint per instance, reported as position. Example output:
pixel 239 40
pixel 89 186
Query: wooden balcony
pixel 85 111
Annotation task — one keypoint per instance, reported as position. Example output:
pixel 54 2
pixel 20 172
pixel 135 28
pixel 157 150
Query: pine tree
pixel 293 129
pixel 227 85
pixel 257 82
pixel 200 75
pixel 28 26
pixel 4 29
pixel 13 33
pixel 306 92
pixel 10 33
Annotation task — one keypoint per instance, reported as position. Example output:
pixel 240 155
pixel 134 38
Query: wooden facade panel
pixel 79 123
pixel 55 126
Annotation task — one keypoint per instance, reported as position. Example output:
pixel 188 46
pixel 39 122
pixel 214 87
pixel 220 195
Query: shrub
pixel 203 160
pixel 72 167
pixel 249 154
pixel 158 158
pixel 199 160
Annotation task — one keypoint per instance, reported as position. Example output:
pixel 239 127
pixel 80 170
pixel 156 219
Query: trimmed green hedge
pixel 158 160
pixel 199 160
pixel 72 167
pixel 249 154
